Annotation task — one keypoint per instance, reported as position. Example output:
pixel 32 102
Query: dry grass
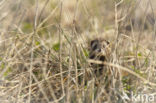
pixel 44 49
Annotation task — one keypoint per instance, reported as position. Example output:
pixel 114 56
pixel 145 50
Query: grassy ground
pixel 44 51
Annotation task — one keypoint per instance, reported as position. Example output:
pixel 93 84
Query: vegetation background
pixel 44 48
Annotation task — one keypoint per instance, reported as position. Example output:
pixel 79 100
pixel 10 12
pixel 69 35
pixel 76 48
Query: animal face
pixel 99 49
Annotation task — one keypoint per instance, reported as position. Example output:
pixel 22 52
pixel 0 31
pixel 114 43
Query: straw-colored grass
pixel 44 51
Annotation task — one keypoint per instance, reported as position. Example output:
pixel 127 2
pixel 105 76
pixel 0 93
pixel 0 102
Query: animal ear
pixel 94 44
